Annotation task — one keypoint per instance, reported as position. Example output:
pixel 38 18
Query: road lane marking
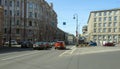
pixel 73 50
pixel 68 51
pixel 8 58
pixel 101 51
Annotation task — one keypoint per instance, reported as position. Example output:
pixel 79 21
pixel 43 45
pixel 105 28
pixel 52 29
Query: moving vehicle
pixel 60 45
pixel 26 44
pixel 40 45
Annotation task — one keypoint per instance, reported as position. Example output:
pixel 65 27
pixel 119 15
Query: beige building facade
pixel 104 26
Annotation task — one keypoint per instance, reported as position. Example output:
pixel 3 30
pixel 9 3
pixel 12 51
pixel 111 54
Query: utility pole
pixel 25 7
pixel 77 38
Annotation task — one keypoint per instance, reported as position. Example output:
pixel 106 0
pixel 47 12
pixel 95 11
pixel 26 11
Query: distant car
pixel 13 42
pixel 60 45
pixel 39 45
pixel 92 44
pixel 109 44
pixel 26 44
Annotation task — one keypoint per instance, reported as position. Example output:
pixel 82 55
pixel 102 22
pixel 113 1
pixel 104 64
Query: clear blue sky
pixel 65 10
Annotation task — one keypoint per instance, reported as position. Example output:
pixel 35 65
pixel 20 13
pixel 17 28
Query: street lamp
pixel 75 16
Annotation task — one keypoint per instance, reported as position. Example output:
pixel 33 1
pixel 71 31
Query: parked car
pixel 13 42
pixel 91 43
pixel 39 45
pixel 26 44
pixel 109 44
pixel 60 45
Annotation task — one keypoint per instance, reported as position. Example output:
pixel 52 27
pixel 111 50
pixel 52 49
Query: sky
pixel 66 9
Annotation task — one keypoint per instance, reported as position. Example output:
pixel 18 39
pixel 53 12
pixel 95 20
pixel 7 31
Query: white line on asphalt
pixel 63 53
pixel 101 51
pixel 73 50
pixel 8 58
pixel 68 51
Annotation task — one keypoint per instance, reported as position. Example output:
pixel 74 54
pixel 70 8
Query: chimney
pixel 51 5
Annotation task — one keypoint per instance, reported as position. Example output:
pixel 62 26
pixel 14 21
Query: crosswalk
pixel 88 50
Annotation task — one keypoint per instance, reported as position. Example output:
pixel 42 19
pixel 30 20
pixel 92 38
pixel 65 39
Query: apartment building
pixel 1 24
pixel 29 20
pixel 104 25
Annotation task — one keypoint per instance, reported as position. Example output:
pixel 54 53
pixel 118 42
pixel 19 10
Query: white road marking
pixel 63 53
pixel 68 51
pixel 100 51
pixel 73 50
pixel 8 58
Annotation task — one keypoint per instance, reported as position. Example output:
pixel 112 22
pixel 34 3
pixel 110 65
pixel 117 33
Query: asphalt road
pixel 72 58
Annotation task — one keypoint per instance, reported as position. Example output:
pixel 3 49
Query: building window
pixel 30 23
pixel 115 24
pixel 115 30
pixel 100 13
pixel 104 30
pixel 109 30
pixel 95 14
pixel 5 12
pixel 5 2
pixel 18 22
pixel 109 37
pixel 110 18
pixel 10 12
pixel 105 18
pixel 94 30
pixel 99 37
pixel 104 25
pixel 95 24
pixel 115 12
pixel 99 30
pixel 100 25
pixel 109 24
pixel 35 15
pixel 100 19
pixel 104 37
pixel 115 37
pixel 18 13
pixel 115 18
pixel 5 30
pixel 0 2
pixel 30 32
pixel 95 19
pixel 105 13
pixel 110 13
pixel 18 3
pixel 10 3
pixel 30 14
pixel 31 5
pixel 17 31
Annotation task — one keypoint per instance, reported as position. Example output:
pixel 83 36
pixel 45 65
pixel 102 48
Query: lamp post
pixel 75 16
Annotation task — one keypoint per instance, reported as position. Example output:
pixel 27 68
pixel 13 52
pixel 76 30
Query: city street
pixel 71 58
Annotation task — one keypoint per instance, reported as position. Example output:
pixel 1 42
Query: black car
pixel 26 44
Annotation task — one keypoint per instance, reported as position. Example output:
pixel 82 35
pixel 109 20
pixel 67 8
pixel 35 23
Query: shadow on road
pixel 13 49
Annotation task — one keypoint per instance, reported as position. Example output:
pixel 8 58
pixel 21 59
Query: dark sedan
pixel 26 44
pixel 109 44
